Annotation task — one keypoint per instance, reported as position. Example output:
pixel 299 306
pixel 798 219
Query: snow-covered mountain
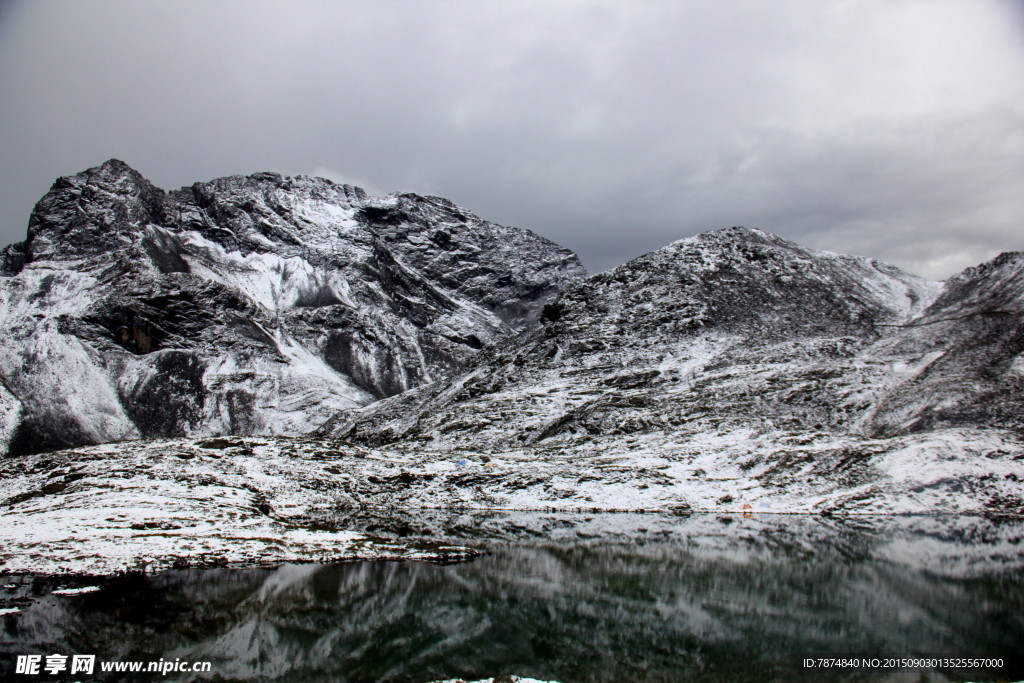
pixel 738 324
pixel 246 305
pixel 738 369
pixel 433 360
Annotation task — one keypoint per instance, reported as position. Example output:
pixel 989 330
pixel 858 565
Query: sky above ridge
pixel 887 128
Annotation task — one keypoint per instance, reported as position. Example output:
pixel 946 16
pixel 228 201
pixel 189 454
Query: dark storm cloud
pixel 893 129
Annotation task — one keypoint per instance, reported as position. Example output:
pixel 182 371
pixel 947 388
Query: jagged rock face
pixel 246 305
pixel 728 332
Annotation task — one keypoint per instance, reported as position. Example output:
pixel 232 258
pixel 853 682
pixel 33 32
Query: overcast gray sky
pixel 888 128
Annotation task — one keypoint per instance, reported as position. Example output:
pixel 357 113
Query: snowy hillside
pixel 742 371
pixel 246 305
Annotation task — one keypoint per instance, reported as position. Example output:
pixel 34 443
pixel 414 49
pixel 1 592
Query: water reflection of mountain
pixel 715 598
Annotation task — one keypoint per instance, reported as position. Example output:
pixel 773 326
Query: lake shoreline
pixel 239 502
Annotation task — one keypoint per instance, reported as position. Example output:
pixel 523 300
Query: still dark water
pixel 618 598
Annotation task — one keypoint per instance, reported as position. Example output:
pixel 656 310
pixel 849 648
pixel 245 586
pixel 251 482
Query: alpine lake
pixel 602 598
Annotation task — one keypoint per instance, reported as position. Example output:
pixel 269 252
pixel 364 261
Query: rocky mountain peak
pixel 268 212
pixel 740 280
pixel 246 305
pixel 89 214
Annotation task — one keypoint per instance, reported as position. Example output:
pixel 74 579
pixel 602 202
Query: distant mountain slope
pixel 247 305
pixel 736 322
pixel 754 360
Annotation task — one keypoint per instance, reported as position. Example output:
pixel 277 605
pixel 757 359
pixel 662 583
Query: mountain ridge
pixel 400 353
pixel 736 368
pixel 735 281
pixel 249 304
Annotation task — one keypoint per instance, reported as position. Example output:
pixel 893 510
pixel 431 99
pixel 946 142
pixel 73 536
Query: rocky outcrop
pixel 247 305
